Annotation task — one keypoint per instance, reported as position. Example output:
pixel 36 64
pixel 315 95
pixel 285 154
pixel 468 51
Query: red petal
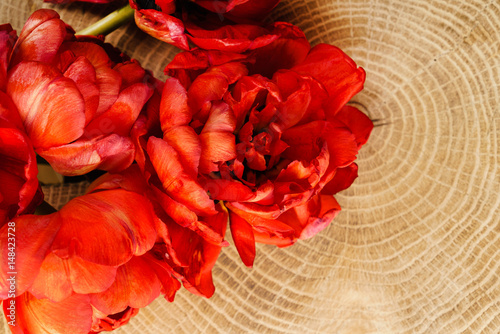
pixel 41 316
pixel 336 71
pixel 131 73
pixel 83 74
pixel 112 153
pixel 162 26
pixel 288 50
pixel 91 222
pixel 227 190
pixel 136 285
pixel 174 109
pixel 110 322
pixel 323 210
pixel 87 277
pixel 50 105
pixel 122 114
pixel 52 282
pixel 108 80
pixel 176 182
pixel 165 274
pixel 360 125
pixel 243 237
pixel 216 147
pixel 187 144
pixel 40 39
pixel 232 38
pixel 33 237
pixel 343 179
pixel 305 142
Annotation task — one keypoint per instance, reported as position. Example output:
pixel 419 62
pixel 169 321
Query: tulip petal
pixel 360 125
pixel 305 142
pixel 91 222
pixel 40 39
pixel 162 26
pixel 52 282
pixel 136 285
pixel 108 80
pixel 83 74
pixel 174 109
pixel 176 182
pixel 343 179
pixel 87 277
pixel 216 147
pixel 42 316
pixel 227 190
pixel 187 144
pixel 237 38
pixel 336 71
pixel 50 105
pixel 112 153
pixel 120 118
pixel 323 209
pixel 33 237
pixel 288 50
pixel 243 237
pixel 110 322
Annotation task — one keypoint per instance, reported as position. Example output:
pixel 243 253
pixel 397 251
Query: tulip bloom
pixel 213 25
pixel 77 98
pixel 84 257
pixel 267 133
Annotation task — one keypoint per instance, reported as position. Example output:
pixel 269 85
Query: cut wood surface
pixel 416 248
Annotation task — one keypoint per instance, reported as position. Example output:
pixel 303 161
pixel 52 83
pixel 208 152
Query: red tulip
pixel 88 256
pixel 20 192
pixel 229 25
pixel 266 132
pixel 77 98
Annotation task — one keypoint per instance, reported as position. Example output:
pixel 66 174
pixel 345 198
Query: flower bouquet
pixel 250 131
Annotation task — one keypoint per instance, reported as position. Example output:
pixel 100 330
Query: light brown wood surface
pixel 416 248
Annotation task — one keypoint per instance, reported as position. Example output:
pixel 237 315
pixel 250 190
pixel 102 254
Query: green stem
pixel 44 209
pixel 109 23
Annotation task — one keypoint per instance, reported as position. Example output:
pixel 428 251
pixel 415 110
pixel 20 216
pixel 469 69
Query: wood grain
pixel 416 246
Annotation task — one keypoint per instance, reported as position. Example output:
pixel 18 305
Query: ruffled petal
pixel 40 39
pixel 359 124
pixel 176 182
pixel 90 223
pixel 336 71
pixel 120 118
pixel 112 153
pixel 33 237
pixel 174 109
pixel 50 105
pixel 243 237
pixel 232 38
pixel 343 179
pixel 288 50
pixel 162 26
pixel 52 282
pixel 136 285
pixel 42 316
